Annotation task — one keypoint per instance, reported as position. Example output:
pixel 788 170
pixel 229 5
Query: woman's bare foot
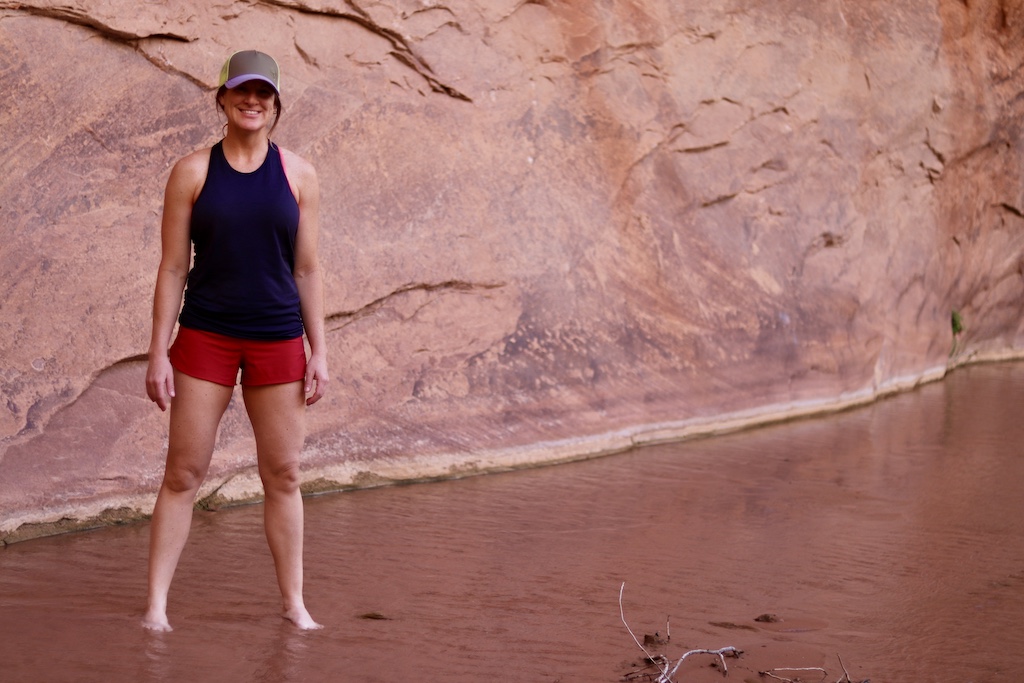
pixel 156 620
pixel 300 617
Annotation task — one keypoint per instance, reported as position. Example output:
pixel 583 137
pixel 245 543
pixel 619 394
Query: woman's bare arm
pixel 183 186
pixel 307 272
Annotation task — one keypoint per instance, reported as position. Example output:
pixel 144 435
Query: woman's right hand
pixel 160 381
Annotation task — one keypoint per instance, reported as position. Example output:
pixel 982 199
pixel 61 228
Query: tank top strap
pixel 217 158
pixel 280 158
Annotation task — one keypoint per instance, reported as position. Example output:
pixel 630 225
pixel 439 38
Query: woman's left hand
pixel 316 379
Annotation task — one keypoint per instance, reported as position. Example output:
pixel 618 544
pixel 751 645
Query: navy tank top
pixel 243 231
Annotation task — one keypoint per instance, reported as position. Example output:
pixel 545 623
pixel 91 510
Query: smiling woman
pixel 254 289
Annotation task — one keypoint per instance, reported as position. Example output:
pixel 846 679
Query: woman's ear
pixel 219 97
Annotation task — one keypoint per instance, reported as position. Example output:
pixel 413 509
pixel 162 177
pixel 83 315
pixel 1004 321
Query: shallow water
pixel 891 536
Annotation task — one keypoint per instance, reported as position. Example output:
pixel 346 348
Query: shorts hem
pixel 206 378
pixel 269 382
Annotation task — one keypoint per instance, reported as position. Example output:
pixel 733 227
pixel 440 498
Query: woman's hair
pixel 278 107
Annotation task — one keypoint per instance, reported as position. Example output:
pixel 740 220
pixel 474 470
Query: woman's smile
pixel 252 101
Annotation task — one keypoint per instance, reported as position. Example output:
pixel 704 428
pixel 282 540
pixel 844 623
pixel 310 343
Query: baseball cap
pixel 248 65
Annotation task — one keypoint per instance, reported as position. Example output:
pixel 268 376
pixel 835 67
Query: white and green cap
pixel 250 65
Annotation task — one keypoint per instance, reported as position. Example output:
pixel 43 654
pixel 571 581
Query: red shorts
pixel 218 358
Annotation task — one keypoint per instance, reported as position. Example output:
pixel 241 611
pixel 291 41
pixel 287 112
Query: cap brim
pixel 239 80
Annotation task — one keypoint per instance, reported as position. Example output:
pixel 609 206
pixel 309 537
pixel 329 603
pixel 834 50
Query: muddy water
pixel 891 536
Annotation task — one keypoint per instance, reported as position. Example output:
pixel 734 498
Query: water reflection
pixel 892 535
pixel 157 662
pixel 283 656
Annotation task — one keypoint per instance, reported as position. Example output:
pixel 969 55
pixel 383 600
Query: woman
pixel 250 208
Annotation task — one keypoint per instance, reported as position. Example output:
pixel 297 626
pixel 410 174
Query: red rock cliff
pixel 550 229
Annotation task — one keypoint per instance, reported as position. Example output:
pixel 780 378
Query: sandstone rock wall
pixel 550 229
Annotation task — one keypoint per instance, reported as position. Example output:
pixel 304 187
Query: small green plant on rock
pixel 957 322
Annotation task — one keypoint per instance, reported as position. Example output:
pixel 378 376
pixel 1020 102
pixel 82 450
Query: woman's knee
pixel 182 478
pixel 280 477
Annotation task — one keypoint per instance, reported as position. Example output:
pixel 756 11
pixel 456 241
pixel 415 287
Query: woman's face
pixel 250 106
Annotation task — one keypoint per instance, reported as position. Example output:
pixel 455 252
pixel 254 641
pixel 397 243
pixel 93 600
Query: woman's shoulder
pixel 296 166
pixel 189 173
pixel 192 167
pixel 197 161
pixel 301 175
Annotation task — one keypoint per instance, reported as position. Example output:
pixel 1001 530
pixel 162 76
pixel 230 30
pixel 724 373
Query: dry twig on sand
pixel 846 674
pixel 845 678
pixel 770 672
pixel 662 662
pixel 665 673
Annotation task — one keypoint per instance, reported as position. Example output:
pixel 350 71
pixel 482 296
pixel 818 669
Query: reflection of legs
pixel 195 414
pixel 277 413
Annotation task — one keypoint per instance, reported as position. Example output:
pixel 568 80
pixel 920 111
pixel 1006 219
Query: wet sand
pixel 891 536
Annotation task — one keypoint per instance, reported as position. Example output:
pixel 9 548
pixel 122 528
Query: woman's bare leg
pixel 277 413
pixel 196 411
